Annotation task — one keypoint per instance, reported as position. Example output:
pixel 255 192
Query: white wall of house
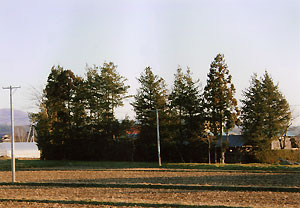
pixel 22 150
pixel 276 145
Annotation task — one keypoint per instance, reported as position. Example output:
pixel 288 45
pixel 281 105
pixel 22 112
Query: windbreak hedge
pixel 274 156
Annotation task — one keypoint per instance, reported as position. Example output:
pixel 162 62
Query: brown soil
pixel 70 196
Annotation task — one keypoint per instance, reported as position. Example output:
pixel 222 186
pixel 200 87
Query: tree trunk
pixel 223 157
pixel 209 148
pixel 221 148
pixel 216 155
pixel 282 138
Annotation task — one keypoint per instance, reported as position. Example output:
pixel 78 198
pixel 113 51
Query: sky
pixel 253 35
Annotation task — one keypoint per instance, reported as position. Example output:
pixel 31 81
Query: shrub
pixel 274 156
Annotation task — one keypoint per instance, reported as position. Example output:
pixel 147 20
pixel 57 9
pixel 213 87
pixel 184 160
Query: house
pixel 291 142
pixel 233 141
pixel 236 150
pixel 133 132
pixel 22 150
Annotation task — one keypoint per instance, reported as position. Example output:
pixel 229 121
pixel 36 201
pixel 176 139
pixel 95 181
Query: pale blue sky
pixel 254 35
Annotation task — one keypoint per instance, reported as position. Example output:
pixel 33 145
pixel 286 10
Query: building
pixel 291 142
pixel 22 150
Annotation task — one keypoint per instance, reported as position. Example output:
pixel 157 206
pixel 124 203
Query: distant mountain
pixel 295 130
pixel 21 117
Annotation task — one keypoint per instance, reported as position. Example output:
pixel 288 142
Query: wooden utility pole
pixel 158 139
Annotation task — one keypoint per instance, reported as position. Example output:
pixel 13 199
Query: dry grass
pixel 94 188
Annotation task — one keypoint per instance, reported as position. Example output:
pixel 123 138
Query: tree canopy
pixel 220 106
pixel 265 112
pixel 151 96
pixel 77 115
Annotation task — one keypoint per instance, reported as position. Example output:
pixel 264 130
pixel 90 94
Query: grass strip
pixel 157 170
pixel 156 186
pixel 236 167
pixel 123 204
pixel 61 164
pixel 28 164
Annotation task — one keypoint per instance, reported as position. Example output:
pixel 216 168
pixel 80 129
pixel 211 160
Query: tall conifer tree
pixel 151 95
pixel 185 104
pixel 219 103
pixel 106 90
pixel 55 126
pixel 265 112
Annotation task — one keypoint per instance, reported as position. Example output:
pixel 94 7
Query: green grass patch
pixel 25 164
pixel 235 167
pixel 35 164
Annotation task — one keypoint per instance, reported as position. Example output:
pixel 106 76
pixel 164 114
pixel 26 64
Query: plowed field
pixel 149 188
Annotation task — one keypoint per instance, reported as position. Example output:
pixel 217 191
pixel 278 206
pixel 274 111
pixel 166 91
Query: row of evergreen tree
pixel 77 119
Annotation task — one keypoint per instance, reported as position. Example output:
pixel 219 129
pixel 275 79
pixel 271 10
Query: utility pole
pixel 158 139
pixel 13 164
